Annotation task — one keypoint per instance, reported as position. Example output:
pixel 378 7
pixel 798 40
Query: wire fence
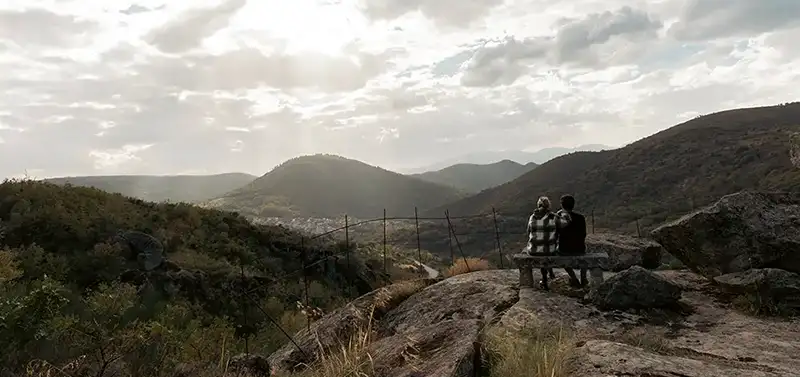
pixel 498 231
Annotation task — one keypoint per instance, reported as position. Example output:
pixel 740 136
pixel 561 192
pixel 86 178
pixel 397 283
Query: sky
pixel 112 87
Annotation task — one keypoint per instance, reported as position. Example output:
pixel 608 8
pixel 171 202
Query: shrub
pixel 464 265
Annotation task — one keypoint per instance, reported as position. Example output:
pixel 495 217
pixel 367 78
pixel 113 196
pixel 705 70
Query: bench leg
pixel 526 277
pixel 597 276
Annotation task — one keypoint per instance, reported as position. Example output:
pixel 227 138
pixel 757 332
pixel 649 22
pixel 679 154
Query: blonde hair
pixel 543 202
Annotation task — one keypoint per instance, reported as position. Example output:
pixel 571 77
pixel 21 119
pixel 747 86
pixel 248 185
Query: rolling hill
pixel 154 188
pixel 489 157
pixel 331 186
pixel 474 178
pixel 661 176
pixel 68 291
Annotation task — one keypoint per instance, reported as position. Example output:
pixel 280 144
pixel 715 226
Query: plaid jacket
pixel 543 231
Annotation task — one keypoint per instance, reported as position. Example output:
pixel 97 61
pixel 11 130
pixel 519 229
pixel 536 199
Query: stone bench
pixel 594 262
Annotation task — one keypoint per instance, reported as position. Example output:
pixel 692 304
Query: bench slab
pixel 595 262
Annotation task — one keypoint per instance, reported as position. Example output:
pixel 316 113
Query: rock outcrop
pixel 434 326
pixel 625 251
pixel 635 288
pixel 739 232
pixel 771 285
pixel 434 329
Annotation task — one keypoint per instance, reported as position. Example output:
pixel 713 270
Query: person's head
pixel 543 203
pixel 568 202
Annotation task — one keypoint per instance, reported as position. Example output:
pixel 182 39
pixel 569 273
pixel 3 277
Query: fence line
pixel 451 232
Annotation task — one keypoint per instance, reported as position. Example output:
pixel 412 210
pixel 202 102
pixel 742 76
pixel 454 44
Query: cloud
pixel 242 87
pixel 501 63
pixel 30 27
pixel 445 13
pixel 189 29
pixel 707 19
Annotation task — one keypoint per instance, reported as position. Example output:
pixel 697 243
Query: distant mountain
pixel 488 157
pixel 661 176
pixel 331 186
pixel 174 188
pixel 474 178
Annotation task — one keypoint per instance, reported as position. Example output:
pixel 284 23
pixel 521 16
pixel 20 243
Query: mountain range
pixel 648 181
pixel 332 186
pixel 473 178
pixel 522 157
pixel 661 176
pixel 174 188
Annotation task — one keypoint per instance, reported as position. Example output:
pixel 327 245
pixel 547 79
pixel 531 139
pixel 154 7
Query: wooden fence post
pixel 305 281
pixel 419 247
pixel 453 232
pixel 384 240
pixel 347 240
pixel 497 237
pixel 592 220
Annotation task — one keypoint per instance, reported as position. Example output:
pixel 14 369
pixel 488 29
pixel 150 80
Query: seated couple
pixel 562 233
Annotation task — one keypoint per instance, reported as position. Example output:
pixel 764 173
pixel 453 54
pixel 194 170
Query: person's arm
pixel 562 218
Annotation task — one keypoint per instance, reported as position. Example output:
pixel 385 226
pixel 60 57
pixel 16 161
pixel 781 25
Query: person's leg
pixel 584 281
pixel 573 280
pixel 551 273
pixel 543 283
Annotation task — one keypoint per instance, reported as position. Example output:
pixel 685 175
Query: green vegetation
pixel 72 301
pixel 662 176
pixel 474 178
pixel 332 186
pixel 176 188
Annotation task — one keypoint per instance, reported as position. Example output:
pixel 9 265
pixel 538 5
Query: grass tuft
pixel 463 266
pixel 540 351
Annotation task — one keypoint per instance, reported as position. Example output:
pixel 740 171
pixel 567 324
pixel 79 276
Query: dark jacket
pixel 572 238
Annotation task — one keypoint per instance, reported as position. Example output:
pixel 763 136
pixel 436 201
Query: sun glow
pixel 306 25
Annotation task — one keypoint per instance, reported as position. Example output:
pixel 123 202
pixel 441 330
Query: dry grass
pixel 541 351
pixel 465 265
pixel 387 298
pixel 647 338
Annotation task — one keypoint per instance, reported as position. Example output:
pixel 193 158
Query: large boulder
pixel 430 330
pixel 770 285
pixel 480 295
pixel 625 251
pixel 338 326
pixel 739 232
pixel 635 288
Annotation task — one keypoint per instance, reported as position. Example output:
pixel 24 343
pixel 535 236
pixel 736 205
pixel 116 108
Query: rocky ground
pixel 705 321
pixel 432 329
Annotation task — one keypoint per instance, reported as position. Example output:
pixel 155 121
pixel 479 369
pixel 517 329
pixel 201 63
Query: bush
pixel 465 265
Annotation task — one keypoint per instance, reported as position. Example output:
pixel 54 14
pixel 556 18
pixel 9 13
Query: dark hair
pixel 568 202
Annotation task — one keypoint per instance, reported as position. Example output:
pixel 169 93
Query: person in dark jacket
pixel 572 237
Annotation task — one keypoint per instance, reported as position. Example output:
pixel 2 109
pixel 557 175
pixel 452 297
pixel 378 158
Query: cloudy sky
pixel 108 87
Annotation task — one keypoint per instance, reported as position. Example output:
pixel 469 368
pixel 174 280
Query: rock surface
pixel 739 232
pixel 480 295
pixel 598 358
pixel 442 349
pixel 434 328
pixel 340 325
pixel 625 251
pixel 635 288
pixel 779 286
pixel 712 338
pixel 433 332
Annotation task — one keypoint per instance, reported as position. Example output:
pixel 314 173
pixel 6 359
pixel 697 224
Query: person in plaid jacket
pixel 543 226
